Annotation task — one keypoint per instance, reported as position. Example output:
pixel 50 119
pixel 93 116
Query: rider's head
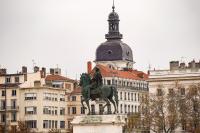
pixel 97 69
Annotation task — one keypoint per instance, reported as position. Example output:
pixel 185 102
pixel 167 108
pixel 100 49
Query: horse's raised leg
pixel 82 100
pixel 113 102
pixel 107 102
pixel 87 103
pixel 116 97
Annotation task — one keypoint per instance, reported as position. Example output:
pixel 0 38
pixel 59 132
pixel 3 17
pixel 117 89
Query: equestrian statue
pixel 93 89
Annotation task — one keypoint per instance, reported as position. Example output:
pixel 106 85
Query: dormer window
pixel 109 52
pixel 127 53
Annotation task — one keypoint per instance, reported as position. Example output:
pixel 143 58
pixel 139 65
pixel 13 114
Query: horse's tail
pixel 115 93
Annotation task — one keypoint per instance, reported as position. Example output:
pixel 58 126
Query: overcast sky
pixel 67 32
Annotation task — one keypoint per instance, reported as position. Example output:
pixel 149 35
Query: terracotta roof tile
pixel 128 74
pixel 58 78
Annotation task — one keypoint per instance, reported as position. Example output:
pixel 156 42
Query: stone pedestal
pixel 98 124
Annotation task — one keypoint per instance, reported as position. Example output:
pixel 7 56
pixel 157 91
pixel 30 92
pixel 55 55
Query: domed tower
pixel 114 53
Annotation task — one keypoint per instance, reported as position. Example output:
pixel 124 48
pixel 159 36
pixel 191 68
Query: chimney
pixel 148 72
pixel 193 64
pixel 89 67
pixel 182 65
pixel 57 71
pixel 36 69
pixel 43 72
pixel 174 65
pixel 3 71
pixel 24 69
pixel 51 71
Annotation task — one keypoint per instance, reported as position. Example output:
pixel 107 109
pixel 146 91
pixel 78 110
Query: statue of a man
pixel 96 81
pixel 97 78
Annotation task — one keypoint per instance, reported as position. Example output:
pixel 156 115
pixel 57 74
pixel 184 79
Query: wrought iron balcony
pixel 9 108
pixel 3 122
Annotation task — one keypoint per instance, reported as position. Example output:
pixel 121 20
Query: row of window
pixel 47 96
pixel 53 110
pixel 125 83
pixel 30 96
pixel 8 79
pixel 170 91
pixel 14 93
pixel 53 97
pixel 129 108
pixel 129 96
pixel 46 124
pixel 46 110
pixel 73 110
pixel 53 124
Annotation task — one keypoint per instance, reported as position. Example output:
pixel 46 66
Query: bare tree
pixel 133 122
pixel 178 108
pixel 193 100
pixel 183 107
pixel 160 111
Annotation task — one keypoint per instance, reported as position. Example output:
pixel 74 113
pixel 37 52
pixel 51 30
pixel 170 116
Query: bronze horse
pixel 104 92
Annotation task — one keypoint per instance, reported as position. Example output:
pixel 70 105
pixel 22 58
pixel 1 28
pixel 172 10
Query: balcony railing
pixel 3 122
pixel 9 108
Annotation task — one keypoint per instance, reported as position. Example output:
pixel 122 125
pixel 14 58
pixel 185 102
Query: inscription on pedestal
pixel 98 124
pixel 91 119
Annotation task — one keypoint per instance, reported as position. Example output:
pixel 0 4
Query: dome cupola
pixel 114 50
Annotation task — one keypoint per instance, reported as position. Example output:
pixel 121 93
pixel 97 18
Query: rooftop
pixel 58 78
pixel 127 74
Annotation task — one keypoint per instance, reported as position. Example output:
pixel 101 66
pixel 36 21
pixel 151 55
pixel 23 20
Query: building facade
pixel 178 77
pixel 43 108
pixel 37 98
pixel 178 74
pixel 10 93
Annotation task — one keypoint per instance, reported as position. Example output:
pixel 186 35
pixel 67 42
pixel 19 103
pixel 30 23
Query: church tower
pixel 114 53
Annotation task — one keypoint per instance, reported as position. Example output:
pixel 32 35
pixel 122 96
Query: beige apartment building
pixel 36 98
pixel 9 96
pixel 43 108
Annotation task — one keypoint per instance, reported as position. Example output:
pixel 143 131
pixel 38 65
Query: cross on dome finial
pixel 113 7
